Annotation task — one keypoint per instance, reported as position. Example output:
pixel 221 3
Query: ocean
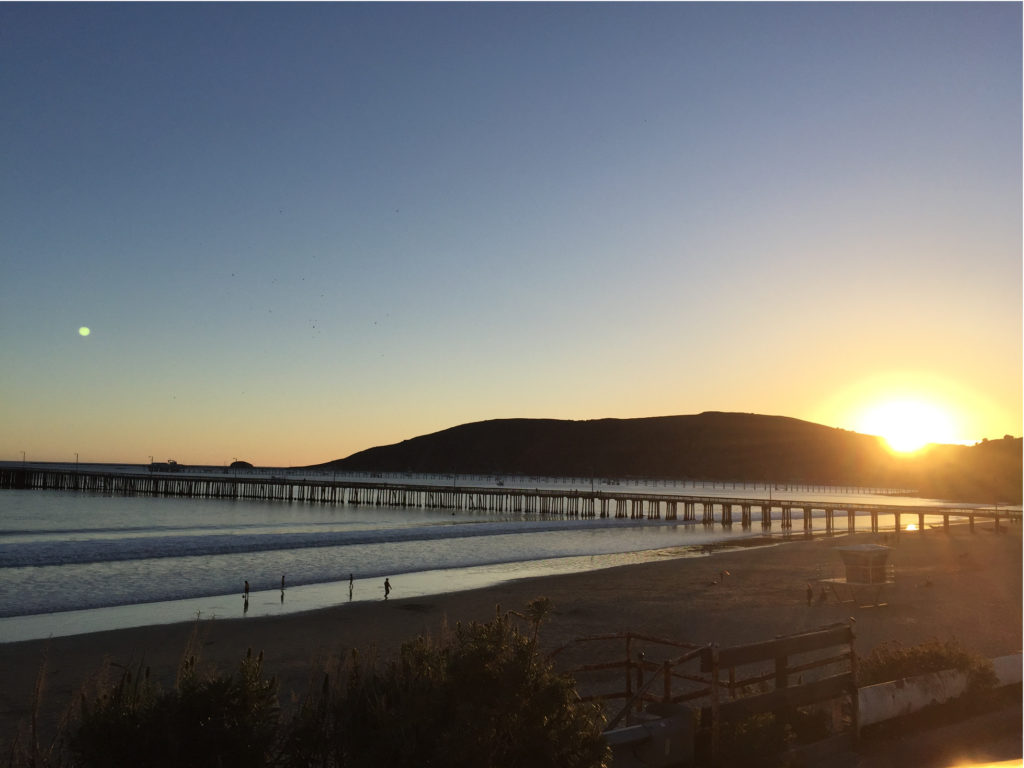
pixel 73 562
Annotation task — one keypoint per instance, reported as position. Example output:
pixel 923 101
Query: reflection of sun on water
pixel 908 425
pixel 911 527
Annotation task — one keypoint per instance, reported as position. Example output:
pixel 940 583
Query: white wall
pixel 901 697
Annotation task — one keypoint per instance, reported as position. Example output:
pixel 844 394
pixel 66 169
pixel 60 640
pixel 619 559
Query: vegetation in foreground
pixel 894 661
pixel 478 696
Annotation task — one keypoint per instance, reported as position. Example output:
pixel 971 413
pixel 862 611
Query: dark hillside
pixel 710 446
pixel 989 471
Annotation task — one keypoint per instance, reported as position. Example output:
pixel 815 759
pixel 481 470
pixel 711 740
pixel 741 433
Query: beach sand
pixel 949 586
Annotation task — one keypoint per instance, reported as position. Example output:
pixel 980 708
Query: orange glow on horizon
pixel 910 410
pixel 907 425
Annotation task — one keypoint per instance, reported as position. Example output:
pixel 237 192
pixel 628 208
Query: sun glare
pixel 908 425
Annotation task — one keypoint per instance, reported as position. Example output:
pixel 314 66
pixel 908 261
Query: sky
pixel 297 231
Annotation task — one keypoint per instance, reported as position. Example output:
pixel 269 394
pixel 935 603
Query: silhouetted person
pixel 387 588
pixel 351 586
pixel 245 594
pixel 282 582
pixel 810 594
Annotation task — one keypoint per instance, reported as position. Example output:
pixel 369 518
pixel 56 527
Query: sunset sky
pixel 298 231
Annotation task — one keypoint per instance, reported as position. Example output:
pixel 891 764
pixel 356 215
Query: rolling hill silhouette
pixel 706 446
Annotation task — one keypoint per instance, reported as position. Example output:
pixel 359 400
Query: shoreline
pixel 305 598
pixel 957 585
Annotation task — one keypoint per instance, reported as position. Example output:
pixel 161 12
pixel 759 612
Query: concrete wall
pixel 902 697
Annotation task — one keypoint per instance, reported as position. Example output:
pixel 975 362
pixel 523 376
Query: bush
pixel 761 741
pixel 480 697
pixel 218 721
pixel 893 661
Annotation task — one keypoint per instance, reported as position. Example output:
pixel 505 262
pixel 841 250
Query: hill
pixel 708 446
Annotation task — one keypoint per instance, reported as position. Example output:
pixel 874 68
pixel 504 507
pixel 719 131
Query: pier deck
pixel 574 503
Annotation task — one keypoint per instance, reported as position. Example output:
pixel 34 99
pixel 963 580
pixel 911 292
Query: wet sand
pixel 962 586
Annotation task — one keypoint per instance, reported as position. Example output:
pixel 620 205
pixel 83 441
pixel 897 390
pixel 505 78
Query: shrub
pixel 480 697
pixel 218 721
pixel 893 661
pixel 762 741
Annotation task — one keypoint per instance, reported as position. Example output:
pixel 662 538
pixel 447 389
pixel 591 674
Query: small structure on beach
pixel 868 570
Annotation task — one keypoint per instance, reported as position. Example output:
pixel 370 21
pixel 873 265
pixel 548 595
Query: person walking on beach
pixel 245 593
pixel 387 588
pixel 351 586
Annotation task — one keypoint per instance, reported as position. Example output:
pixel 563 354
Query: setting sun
pixel 911 409
pixel 908 425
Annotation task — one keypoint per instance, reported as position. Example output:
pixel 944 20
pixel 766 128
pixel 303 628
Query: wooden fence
pixel 725 686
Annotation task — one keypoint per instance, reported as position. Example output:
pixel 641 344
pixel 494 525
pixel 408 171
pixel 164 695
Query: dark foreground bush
pixel 481 697
pixel 220 721
pixel 762 741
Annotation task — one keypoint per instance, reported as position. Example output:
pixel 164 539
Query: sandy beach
pixel 958 585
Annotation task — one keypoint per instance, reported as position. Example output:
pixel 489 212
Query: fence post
pixel 667 692
pixel 781 673
pixel 855 696
pixel 714 704
pixel 640 681
pixel 629 674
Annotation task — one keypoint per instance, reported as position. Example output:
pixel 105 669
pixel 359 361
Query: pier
pixel 709 510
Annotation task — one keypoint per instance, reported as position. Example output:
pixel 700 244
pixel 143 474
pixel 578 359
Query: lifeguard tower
pixel 868 570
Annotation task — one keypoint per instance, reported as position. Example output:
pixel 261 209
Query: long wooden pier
pixel 709 510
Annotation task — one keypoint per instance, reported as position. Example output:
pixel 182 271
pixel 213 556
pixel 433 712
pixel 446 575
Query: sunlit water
pixel 73 562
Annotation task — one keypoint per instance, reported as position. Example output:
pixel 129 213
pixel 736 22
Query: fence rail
pixel 719 684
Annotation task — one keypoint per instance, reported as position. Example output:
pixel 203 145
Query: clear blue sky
pixel 297 231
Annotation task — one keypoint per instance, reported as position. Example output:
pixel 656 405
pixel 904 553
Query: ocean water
pixel 74 562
